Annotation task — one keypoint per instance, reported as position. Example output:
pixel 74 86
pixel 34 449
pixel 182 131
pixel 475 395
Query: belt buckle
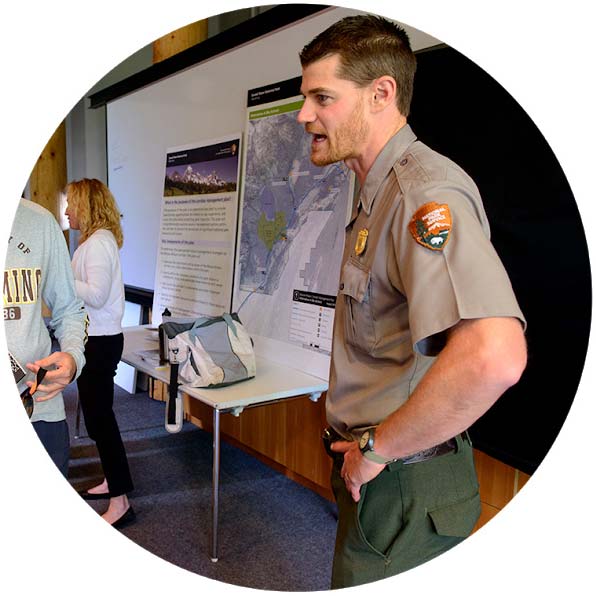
pixel 328 436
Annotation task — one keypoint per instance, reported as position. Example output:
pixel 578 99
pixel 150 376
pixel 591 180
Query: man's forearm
pixel 481 360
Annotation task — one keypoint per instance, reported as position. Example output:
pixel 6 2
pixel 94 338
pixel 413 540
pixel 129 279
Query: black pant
pixel 96 393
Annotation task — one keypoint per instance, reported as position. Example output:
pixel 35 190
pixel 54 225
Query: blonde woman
pixel 91 208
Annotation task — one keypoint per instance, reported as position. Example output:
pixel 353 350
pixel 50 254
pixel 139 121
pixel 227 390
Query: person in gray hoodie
pixel 37 269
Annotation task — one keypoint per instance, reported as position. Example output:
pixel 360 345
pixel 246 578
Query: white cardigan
pixel 98 281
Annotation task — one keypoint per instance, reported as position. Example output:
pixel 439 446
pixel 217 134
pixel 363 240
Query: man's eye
pixel 322 99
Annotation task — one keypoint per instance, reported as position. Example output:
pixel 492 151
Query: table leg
pixel 77 432
pixel 215 488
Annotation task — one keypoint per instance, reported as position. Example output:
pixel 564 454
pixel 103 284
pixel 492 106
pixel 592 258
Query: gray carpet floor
pixel 273 533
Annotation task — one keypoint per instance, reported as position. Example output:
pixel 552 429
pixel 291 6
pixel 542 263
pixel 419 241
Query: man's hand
pixel 61 369
pixel 356 470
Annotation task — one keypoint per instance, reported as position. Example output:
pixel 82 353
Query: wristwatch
pixel 367 447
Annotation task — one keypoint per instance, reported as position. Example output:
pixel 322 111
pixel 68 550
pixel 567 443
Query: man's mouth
pixel 317 137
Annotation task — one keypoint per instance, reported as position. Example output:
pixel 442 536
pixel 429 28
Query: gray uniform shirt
pixel 417 260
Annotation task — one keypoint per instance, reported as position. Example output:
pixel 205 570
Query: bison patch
pixel 431 225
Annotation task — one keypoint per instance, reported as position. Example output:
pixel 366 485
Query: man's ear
pixel 384 90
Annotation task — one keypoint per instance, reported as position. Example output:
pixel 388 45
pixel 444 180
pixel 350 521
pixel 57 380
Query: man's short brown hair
pixel 368 47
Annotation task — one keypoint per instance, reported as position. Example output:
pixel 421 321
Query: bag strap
pixel 173 393
pixel 230 323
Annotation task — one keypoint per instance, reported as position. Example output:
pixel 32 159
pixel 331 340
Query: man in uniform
pixel 428 333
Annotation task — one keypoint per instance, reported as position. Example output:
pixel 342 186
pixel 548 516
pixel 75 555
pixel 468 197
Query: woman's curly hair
pixel 95 207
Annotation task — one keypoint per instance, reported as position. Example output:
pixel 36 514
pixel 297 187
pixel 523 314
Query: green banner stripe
pixel 289 107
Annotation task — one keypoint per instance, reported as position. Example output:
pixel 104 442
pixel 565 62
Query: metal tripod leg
pixel 215 488
pixel 77 431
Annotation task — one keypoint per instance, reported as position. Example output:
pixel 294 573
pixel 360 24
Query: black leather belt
pixel 448 446
pixel 329 436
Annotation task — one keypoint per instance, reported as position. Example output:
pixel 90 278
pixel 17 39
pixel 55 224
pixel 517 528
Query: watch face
pixel 364 439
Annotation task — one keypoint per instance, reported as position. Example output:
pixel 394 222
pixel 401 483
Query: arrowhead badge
pixel 430 226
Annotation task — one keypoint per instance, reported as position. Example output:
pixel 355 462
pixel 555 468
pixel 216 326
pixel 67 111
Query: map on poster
pixel 292 230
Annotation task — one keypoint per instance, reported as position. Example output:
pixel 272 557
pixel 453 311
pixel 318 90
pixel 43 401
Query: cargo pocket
pixel 457 519
pixel 355 288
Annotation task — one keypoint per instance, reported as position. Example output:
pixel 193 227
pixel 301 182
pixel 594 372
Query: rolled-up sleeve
pixel 457 277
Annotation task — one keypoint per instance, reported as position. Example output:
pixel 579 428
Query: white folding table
pixel 273 382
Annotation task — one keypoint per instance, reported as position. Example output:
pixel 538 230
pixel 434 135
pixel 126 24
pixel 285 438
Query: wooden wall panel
pixel 48 177
pixel 306 420
pixel 179 40
pixel 497 480
pixel 499 483
pixel 287 432
pixel 263 429
pixel 523 479
pixel 486 514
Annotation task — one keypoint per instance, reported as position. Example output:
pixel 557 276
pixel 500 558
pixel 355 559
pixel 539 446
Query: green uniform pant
pixel 407 515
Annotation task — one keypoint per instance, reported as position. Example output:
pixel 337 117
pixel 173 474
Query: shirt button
pixel 403 162
pixel 341 286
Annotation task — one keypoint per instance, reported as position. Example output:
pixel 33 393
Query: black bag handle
pixel 173 393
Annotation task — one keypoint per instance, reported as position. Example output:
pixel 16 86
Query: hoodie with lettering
pixel 37 269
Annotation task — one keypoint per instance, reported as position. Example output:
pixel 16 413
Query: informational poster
pixel 292 228
pixel 195 259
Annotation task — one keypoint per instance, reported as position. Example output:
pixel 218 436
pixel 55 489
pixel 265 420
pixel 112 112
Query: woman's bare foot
pixel 116 509
pixel 100 489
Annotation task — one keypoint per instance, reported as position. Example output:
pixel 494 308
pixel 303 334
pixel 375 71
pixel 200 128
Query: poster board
pixel 293 216
pixel 197 233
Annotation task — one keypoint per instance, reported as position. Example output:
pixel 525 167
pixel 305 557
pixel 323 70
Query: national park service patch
pixel 431 225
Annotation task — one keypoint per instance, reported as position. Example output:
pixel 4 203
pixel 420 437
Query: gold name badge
pixel 361 241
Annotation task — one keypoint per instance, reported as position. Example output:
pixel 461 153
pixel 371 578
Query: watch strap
pixel 375 457
pixel 368 450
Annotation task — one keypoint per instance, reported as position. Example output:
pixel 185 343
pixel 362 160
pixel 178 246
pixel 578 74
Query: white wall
pixel 86 127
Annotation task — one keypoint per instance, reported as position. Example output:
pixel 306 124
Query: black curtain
pixel 462 112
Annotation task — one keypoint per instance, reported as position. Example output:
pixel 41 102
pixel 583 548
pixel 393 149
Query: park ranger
pixel 428 333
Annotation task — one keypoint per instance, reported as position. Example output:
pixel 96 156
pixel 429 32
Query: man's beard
pixel 346 139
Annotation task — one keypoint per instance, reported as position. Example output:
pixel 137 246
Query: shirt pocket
pixel 355 288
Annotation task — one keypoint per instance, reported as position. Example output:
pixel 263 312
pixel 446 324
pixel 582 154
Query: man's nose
pixel 305 114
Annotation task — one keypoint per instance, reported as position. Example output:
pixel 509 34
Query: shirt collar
pixel 391 152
